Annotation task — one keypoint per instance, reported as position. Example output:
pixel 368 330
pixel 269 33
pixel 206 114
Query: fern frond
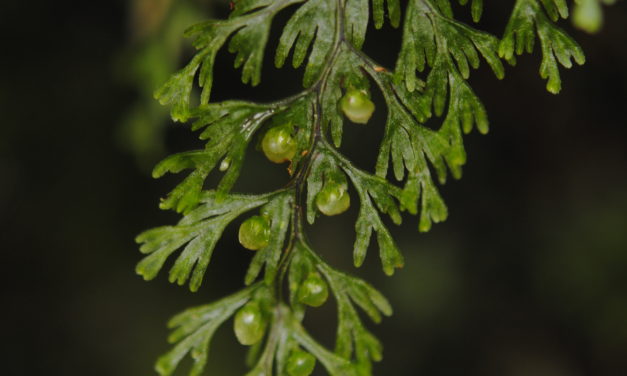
pixel 199 232
pixel 528 20
pixel 194 329
pixel 314 22
pixel 430 80
pixel 249 25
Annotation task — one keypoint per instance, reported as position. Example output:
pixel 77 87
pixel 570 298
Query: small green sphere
pixel 333 199
pixel 278 144
pixel 314 291
pixel 588 16
pixel 357 106
pixel 254 233
pixel 300 363
pixel 249 325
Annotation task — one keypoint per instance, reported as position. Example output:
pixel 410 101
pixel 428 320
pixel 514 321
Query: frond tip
pixel 528 20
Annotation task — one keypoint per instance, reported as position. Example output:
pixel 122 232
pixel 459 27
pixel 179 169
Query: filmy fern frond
pixel 250 25
pixel 430 105
pixel 314 22
pixel 229 127
pixel 528 20
pixel 194 329
pixel 352 339
pixel 199 232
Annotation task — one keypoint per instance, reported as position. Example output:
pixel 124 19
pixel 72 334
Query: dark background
pixel 527 276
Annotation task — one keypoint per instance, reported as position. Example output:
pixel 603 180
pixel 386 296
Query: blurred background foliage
pixel 527 277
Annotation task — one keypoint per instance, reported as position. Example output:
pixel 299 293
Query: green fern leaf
pixel 199 231
pixel 251 34
pixel 527 20
pixel 194 329
pixel 414 154
pixel 229 128
pixel 352 338
pixel 314 22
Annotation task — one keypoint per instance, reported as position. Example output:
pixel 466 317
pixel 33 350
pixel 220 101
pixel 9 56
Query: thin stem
pixel 317 136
